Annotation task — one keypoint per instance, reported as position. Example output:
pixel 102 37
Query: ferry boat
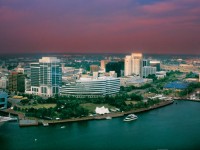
pixel 4 119
pixel 131 117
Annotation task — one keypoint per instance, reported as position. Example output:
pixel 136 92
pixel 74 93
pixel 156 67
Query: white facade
pixel 133 80
pixel 92 87
pixel 27 86
pixel 137 64
pixel 133 64
pixel 127 67
pixel 161 74
pixel 3 82
pixel 155 63
pixel 148 70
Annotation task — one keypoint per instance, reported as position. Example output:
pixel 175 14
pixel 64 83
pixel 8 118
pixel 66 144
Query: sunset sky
pixel 119 26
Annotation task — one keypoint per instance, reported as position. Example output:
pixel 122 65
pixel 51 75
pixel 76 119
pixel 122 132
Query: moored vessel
pixel 131 117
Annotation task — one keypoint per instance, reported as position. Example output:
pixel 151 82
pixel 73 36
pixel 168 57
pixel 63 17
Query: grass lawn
pixel 129 102
pixel 39 106
pixel 91 107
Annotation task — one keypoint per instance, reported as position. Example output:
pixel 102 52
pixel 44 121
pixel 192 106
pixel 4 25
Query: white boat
pixel 45 124
pixel 108 117
pixel 4 119
pixel 131 117
pixel 62 127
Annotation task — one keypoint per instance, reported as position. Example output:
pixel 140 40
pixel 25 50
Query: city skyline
pixel 155 26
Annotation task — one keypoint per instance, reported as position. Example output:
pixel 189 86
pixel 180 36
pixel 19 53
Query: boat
pixel 5 119
pixel 131 117
pixel 62 127
pixel 45 124
pixel 108 117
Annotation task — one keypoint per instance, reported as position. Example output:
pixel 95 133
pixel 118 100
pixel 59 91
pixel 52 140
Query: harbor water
pixel 176 126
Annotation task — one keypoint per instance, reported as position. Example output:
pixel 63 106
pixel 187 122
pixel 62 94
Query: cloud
pixel 157 8
pixel 88 25
pixel 10 15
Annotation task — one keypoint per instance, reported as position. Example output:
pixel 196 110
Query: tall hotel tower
pixel 133 64
pixel 46 76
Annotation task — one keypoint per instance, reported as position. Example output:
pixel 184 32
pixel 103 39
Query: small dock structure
pixel 26 122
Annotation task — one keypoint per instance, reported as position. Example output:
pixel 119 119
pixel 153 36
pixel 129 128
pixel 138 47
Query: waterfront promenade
pixel 97 117
pixel 113 115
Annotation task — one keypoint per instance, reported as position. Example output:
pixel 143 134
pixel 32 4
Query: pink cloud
pixel 10 15
pixel 157 8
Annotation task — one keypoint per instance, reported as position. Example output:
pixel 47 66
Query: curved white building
pixel 91 87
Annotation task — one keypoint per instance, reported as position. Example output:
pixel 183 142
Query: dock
pixel 26 122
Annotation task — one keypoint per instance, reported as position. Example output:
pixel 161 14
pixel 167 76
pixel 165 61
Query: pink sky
pixel 149 26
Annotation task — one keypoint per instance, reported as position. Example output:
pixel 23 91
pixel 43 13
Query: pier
pixel 26 122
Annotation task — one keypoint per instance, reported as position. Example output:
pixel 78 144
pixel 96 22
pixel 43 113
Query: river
pixel 176 126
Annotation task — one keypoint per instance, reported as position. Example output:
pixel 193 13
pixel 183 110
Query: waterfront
pixel 173 127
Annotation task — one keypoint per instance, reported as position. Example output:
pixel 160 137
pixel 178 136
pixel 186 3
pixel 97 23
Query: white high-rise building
pixel 127 67
pixel 137 63
pixel 133 64
pixel 46 76
pixel 148 70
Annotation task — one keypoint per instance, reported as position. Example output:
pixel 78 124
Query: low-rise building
pixel 161 74
pixel 89 87
pixel 192 80
pixel 133 81
pixel 148 70
pixel 176 85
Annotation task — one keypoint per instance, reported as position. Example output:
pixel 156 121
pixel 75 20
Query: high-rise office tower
pixel 146 62
pixel 133 64
pixel 127 66
pixel 103 64
pixel 155 63
pixel 46 76
pixel 137 63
